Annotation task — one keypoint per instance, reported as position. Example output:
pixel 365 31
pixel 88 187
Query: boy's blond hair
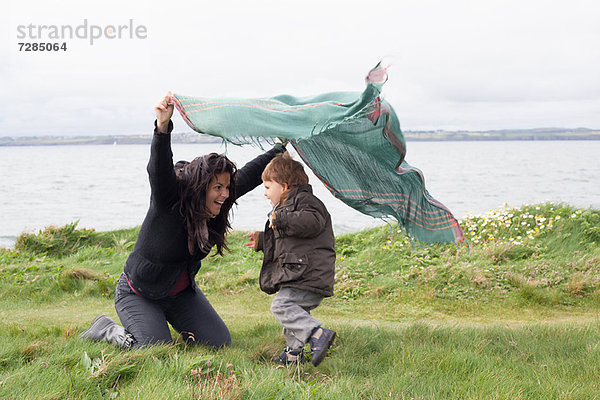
pixel 283 169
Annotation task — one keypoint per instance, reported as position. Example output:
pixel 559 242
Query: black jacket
pixel 300 251
pixel 161 251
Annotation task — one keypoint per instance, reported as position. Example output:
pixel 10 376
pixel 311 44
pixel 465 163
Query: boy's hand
pixel 255 241
pixel 272 220
pixel 251 243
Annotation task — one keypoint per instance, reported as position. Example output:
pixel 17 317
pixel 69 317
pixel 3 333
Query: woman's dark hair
pixel 194 178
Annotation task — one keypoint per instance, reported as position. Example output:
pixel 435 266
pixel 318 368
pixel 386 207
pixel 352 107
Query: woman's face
pixel 217 192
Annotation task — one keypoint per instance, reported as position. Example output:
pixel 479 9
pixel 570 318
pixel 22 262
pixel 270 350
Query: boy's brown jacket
pixel 299 251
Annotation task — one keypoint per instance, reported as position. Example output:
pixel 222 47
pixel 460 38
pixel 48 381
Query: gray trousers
pixel 291 308
pixel 189 312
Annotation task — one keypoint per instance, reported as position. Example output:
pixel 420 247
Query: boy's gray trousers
pixel 291 307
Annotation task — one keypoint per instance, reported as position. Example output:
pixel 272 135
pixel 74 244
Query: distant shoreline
pixel 102 140
pixel 507 134
pixel 416 136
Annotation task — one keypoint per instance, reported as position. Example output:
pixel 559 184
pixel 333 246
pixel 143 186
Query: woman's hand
pixel 163 112
pixel 283 141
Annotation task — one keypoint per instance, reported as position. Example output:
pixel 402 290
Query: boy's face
pixel 273 191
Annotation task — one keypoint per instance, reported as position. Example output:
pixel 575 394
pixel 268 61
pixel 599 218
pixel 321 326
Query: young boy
pixel 299 258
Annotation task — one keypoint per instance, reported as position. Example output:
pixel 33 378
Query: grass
pixel 515 315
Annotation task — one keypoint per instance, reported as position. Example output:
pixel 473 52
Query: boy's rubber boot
pixel 320 341
pixel 289 356
pixel 104 328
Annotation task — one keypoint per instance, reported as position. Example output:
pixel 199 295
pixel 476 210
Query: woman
pixel 188 215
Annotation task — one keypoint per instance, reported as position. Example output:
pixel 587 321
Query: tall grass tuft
pixel 61 241
pixel 214 382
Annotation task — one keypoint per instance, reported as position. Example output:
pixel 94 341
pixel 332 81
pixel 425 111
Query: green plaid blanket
pixel 352 142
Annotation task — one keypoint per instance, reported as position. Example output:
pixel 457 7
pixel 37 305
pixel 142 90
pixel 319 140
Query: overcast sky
pixel 473 65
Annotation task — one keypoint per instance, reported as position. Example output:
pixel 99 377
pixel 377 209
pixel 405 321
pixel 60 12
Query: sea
pixel 105 187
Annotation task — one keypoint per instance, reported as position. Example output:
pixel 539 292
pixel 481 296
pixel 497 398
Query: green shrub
pixel 62 241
